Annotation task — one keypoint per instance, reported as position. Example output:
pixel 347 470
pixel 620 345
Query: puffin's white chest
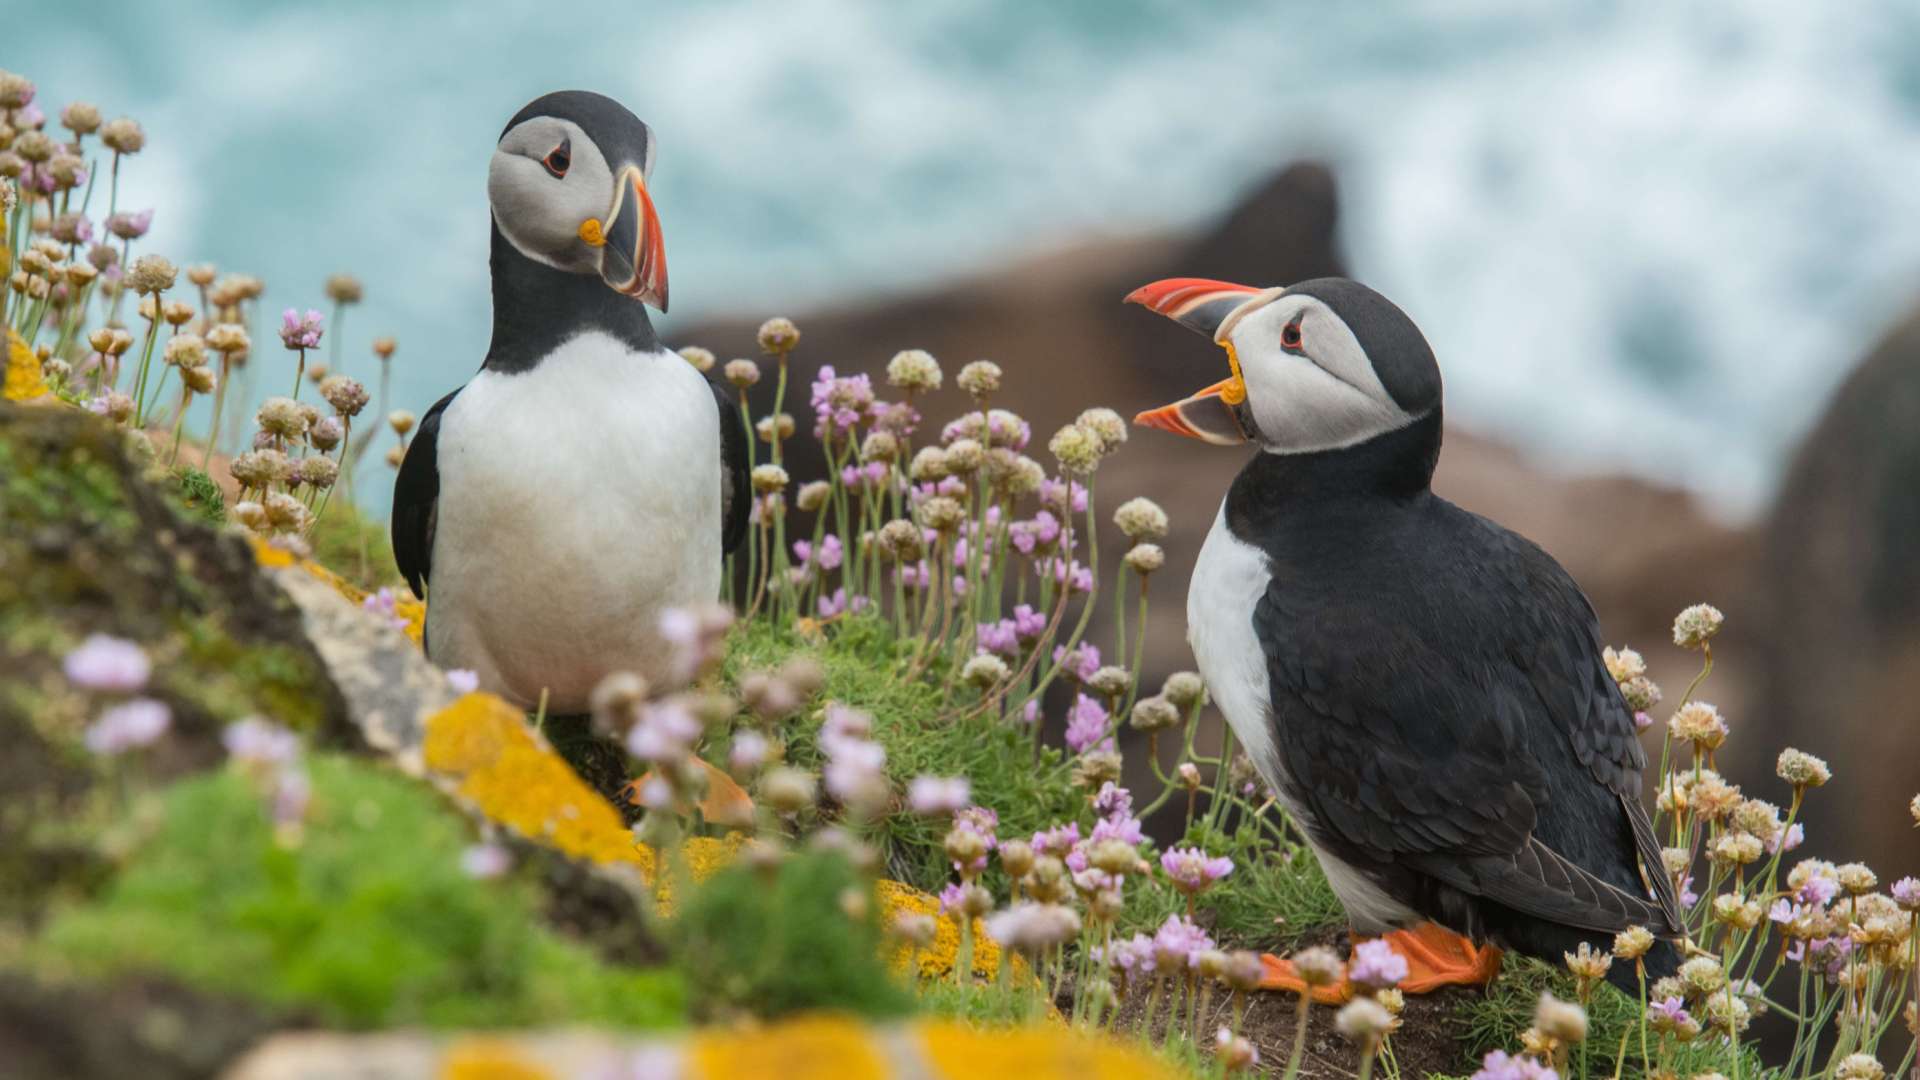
pixel 1229 579
pixel 578 501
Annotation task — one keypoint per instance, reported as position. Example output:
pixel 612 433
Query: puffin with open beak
pixel 587 479
pixel 1423 689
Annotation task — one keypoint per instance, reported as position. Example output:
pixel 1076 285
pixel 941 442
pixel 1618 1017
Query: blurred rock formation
pixel 1839 576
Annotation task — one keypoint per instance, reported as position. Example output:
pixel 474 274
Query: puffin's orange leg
pixel 1438 957
pixel 1435 958
pixel 1278 974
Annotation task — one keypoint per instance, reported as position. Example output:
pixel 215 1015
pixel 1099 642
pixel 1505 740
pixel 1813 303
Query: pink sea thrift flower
pixel 827 557
pixel 1056 841
pixel 463 680
pixel 998 637
pixel 128 726
pixel 1064 494
pixel 384 604
pixel 664 734
pixel 104 662
pixel 1178 943
pixel 292 793
pixel 1087 725
pixel 1787 839
pixel 484 862
pixel 938 796
pixel 837 604
pixel 1375 964
pixel 840 403
pixel 1818 890
pixel 260 742
pixel 1194 871
pixel 1079 664
pixel 299 331
pixel 1132 959
pixel 130 224
pixel 1498 1065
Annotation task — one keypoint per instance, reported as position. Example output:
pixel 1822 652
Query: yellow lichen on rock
pixel 815 1047
pixel 507 772
pixel 413 612
pixel 955 1050
pixel 940 954
pixel 513 778
pixel 807 1048
pixel 24 381
pixel 489 1059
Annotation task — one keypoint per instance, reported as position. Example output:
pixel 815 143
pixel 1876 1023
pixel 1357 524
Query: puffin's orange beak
pixel 633 259
pixel 1209 415
pixel 1201 305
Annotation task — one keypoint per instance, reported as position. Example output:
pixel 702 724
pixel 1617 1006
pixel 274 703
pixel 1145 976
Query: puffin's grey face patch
pixel 540 213
pixel 1322 394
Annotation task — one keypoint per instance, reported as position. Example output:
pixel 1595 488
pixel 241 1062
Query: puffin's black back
pixel 1440 705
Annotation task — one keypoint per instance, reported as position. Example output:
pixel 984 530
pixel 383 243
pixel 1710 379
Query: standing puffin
pixel 586 479
pixel 1422 688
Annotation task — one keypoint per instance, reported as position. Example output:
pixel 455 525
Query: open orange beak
pixel 1214 414
pixel 633 259
pixel 1210 415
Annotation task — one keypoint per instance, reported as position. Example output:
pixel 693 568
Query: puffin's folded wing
pixel 416 494
pixel 1409 747
pixel 1537 881
pixel 1557 647
pixel 735 493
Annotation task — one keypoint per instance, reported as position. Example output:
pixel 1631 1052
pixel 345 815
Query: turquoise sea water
pixel 1647 235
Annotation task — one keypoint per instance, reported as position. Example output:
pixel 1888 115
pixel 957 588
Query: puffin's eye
pixel 559 158
pixel 1290 337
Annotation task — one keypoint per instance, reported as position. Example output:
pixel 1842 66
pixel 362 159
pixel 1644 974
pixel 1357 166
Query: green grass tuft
pixel 776 940
pixel 1494 1022
pixel 368 922
pixel 1029 791
pixel 354 546
pixel 196 493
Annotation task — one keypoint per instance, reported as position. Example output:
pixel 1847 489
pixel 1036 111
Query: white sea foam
pixel 1646 234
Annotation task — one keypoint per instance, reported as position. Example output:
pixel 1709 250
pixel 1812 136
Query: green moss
pixel 231 678
pixel 368 921
pixel 779 940
pixel 38 491
pixel 117 546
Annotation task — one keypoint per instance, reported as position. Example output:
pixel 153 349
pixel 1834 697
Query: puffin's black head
pixel 568 186
pixel 1322 365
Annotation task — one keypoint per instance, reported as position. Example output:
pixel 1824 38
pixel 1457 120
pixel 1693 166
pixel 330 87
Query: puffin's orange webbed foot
pixel 1438 957
pixel 1435 958
pixel 1278 974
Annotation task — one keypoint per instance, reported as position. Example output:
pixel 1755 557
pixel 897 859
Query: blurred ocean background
pixel 1643 236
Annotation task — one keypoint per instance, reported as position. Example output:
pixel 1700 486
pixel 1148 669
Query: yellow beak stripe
pixel 1236 392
